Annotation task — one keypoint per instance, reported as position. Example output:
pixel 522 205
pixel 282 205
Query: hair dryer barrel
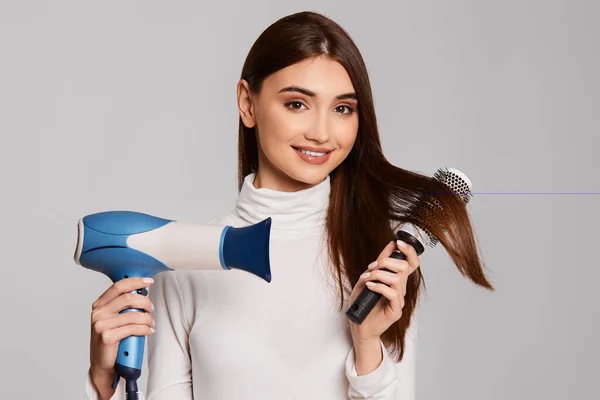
pixel 124 244
pixel 187 246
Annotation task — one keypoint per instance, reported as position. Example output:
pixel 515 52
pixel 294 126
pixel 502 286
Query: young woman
pixel 310 158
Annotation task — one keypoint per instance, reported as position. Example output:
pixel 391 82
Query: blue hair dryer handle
pixel 131 349
pixel 130 354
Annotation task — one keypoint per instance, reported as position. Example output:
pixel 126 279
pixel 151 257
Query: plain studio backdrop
pixel 131 105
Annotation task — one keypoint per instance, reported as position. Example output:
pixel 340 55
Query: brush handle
pixel 367 299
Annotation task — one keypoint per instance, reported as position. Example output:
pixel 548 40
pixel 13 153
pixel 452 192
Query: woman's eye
pixel 296 105
pixel 348 109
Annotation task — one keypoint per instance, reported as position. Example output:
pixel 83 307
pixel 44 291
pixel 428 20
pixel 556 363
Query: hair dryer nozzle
pixel 247 248
pixel 79 244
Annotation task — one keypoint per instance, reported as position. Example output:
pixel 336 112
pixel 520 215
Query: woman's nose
pixel 318 131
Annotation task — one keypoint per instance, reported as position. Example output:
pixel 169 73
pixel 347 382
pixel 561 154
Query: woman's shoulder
pixel 232 218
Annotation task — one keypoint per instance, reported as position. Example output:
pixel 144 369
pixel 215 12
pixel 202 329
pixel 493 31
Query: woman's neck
pixel 289 210
pixel 278 181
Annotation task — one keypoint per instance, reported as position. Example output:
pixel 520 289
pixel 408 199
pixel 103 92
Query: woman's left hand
pixel 391 285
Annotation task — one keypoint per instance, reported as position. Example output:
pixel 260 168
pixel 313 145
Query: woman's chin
pixel 312 177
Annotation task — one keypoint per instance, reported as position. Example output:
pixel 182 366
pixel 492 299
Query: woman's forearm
pixel 368 356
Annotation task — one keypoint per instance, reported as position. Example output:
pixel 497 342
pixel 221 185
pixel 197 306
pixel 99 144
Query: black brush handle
pixel 367 299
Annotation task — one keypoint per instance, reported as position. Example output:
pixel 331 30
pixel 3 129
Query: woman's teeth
pixel 311 153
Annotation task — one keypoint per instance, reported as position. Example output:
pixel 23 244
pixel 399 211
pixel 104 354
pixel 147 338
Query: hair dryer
pixel 124 244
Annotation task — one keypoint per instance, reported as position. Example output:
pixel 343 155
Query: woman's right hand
pixel 108 327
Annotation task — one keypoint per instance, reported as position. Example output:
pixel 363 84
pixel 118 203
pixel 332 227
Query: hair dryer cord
pixel 132 390
pixel 131 376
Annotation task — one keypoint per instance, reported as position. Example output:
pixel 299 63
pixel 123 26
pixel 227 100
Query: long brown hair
pixel 368 193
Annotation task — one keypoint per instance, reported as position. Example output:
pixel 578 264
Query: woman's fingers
pixel 396 302
pixel 387 250
pixel 130 300
pixel 120 287
pixel 112 337
pixel 124 301
pixel 388 276
pixel 391 279
pixel 391 264
pixel 390 271
pixel 407 266
pixel 411 255
pixel 120 320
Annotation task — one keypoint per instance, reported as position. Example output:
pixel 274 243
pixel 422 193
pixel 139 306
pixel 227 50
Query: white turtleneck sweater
pixel 229 335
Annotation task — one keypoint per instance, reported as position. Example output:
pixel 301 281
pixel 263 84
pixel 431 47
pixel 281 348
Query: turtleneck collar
pixel 302 209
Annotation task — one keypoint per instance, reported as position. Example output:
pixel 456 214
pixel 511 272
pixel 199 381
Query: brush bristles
pixel 429 209
pixel 455 182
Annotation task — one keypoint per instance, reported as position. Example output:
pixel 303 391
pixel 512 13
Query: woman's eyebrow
pixel 310 93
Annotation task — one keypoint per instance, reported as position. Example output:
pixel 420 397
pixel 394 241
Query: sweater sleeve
pixel 169 360
pixel 391 380
pixel 93 394
pixel 169 364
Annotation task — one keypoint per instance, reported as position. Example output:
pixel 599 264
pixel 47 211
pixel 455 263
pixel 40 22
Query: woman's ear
pixel 245 105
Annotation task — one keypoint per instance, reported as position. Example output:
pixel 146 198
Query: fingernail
pixel 365 275
pixel 152 306
pixel 153 323
pixel 370 284
pixel 148 280
pixel 372 265
pixel 151 330
pixel 401 244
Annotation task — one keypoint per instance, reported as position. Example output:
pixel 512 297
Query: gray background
pixel 131 105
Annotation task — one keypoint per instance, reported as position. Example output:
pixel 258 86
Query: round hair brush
pixel 427 208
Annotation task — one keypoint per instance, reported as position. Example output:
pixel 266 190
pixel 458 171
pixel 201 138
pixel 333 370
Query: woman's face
pixel 306 120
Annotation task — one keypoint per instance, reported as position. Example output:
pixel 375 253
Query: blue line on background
pixel 584 193
pixel 578 193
